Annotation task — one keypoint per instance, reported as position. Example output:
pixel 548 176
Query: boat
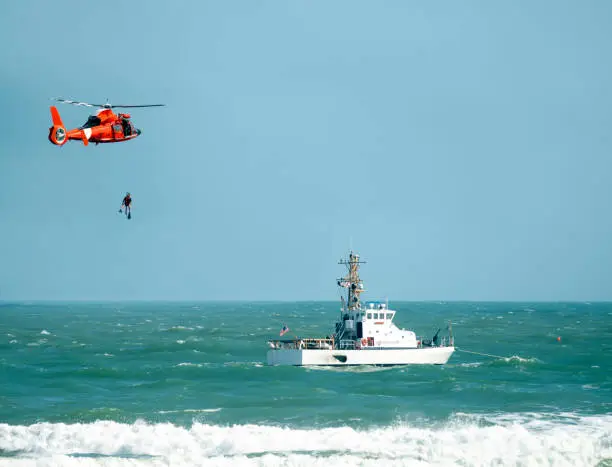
pixel 365 334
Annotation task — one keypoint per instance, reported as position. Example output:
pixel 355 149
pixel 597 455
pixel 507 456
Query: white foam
pixel 516 358
pixel 204 410
pixel 190 411
pixel 354 369
pixel 590 386
pixel 505 440
pixel 179 328
pixel 470 365
pixel 44 332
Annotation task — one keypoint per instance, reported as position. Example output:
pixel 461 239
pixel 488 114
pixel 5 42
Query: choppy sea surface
pixel 186 384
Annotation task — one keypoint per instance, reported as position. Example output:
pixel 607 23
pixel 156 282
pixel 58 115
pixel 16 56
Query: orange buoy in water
pixel 559 339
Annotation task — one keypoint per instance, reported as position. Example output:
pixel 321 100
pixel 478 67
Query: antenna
pixel 351 281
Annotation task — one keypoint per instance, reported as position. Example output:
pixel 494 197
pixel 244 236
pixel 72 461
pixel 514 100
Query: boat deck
pixel 328 344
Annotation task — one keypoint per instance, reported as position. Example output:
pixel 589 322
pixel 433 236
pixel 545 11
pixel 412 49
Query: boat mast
pixel 352 282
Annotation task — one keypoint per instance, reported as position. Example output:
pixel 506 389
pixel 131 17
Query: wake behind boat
pixel 364 335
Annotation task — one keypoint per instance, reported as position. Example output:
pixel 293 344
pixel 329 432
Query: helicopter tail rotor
pixel 57 133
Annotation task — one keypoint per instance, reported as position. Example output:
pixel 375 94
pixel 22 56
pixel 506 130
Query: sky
pixel 461 148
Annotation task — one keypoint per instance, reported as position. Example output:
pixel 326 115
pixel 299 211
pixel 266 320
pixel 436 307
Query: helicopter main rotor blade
pixel 103 106
pixel 133 106
pixel 83 104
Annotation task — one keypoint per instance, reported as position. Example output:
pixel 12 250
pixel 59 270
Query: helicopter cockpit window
pixel 92 121
pixel 127 127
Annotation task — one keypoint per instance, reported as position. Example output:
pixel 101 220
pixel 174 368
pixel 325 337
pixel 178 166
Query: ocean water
pixel 186 384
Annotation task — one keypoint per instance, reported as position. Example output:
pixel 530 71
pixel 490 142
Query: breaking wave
pixel 465 439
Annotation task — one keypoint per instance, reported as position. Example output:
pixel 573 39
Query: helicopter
pixel 104 127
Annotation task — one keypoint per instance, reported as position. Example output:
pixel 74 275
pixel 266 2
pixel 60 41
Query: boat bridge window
pixel 369 315
pixel 389 315
pixel 375 315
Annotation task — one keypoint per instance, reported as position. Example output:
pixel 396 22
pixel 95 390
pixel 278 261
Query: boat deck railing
pixel 307 343
pixel 443 342
pixel 346 344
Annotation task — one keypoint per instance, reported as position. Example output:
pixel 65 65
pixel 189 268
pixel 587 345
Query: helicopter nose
pixel 138 131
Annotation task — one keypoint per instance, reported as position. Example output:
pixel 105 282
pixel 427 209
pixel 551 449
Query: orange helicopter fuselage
pixel 104 127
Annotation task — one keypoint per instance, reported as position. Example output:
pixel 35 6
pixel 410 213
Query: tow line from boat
pixel 479 353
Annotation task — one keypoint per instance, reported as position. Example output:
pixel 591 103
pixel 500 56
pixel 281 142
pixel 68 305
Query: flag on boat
pixel 284 330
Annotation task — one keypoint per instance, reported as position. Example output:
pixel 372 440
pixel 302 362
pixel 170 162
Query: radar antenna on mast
pixel 352 282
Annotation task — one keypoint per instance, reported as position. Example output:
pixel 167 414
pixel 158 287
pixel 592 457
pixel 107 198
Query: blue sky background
pixel 463 148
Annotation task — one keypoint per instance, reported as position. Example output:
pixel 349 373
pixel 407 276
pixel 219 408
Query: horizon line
pixel 23 301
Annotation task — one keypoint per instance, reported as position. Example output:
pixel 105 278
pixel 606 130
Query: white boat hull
pixel 307 357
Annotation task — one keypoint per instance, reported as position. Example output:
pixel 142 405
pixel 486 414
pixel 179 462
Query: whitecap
pixel 190 411
pixel 503 440
pixel 516 358
pixel 590 386
pixel 180 328
pixel 470 365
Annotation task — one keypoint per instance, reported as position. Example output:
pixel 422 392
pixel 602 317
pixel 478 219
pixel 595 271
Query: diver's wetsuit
pixel 127 201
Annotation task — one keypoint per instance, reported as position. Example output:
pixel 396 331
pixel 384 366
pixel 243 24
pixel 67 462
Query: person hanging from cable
pixel 127 205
